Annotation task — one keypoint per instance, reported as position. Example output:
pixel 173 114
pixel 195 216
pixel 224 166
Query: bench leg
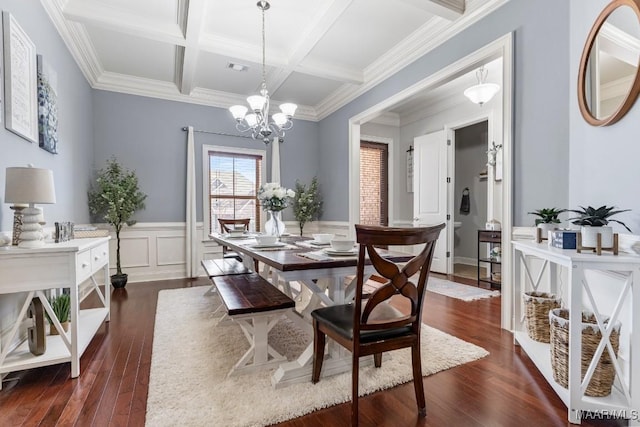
pixel 260 355
pixel 211 291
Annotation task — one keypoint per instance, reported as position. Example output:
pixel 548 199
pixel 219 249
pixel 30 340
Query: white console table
pixel 625 396
pixel 53 266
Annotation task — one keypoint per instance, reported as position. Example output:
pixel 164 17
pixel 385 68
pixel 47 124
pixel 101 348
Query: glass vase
pixel 274 225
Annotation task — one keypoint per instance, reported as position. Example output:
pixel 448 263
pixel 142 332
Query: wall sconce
pixel 30 185
pixel 492 153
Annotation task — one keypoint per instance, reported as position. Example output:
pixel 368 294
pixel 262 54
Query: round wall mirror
pixel 608 80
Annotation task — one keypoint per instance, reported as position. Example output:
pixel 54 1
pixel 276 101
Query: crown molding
pixel 76 39
pixel 151 88
pixel 387 119
pixel 414 47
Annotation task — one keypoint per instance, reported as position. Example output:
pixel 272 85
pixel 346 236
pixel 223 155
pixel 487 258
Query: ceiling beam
pixel 194 21
pixel 448 9
pixel 102 15
pixel 309 39
pixel 253 53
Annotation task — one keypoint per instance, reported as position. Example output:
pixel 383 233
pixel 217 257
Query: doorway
pixel 501 48
pixel 470 195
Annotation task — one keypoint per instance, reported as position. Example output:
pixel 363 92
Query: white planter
pixel 545 229
pixel 590 236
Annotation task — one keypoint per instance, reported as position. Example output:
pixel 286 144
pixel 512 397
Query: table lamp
pixel 30 185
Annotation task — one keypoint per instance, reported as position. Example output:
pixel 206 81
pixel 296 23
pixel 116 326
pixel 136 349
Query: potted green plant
pixel 547 219
pixel 61 306
pixel 114 198
pixel 307 203
pixel 594 221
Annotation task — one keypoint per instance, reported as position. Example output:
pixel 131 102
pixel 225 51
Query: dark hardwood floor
pixel 503 389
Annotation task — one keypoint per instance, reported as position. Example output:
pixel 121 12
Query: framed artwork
pixel 47 109
pixel 20 86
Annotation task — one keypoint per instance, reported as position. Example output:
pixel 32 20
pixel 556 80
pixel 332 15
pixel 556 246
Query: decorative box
pixel 564 239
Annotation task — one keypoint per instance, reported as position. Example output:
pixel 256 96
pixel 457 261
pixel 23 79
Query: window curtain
pixel 191 237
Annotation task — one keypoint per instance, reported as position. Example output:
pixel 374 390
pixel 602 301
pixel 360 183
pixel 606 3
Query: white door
pixel 430 190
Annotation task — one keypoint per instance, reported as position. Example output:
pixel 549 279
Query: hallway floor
pixel 468 271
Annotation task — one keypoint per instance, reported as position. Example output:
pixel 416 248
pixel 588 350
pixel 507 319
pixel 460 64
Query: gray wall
pixel 146 135
pixel 471 159
pixel 604 161
pixel 541 116
pixel 71 167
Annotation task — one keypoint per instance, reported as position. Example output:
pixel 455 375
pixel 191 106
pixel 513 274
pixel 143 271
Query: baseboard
pixel 465 261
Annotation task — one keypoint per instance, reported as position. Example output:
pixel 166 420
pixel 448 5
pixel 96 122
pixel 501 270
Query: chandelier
pixel 482 92
pixel 257 122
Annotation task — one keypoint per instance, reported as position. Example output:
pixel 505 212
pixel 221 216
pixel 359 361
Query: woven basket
pixel 604 374
pixel 537 306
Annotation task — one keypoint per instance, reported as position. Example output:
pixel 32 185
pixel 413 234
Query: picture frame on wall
pixel 20 82
pixel 47 106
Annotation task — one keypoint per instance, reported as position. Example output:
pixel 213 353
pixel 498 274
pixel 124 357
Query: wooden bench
pixel 222 267
pixel 256 305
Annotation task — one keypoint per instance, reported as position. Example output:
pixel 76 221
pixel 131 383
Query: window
pixel 231 183
pixel 374 200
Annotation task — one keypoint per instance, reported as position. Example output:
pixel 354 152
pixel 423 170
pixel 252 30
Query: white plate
pixel 272 245
pixel 352 252
pixel 241 236
pixel 314 243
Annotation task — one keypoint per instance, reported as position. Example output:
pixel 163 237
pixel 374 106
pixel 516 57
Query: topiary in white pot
pixel 594 221
pixel 115 197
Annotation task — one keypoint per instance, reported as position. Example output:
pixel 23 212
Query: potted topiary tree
pixel 594 221
pixel 115 197
pixel 307 203
pixel 548 218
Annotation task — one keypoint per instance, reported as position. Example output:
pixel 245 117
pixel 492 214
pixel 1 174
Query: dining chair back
pixel 370 325
pixel 231 224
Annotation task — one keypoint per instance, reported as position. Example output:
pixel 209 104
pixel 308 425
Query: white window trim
pixel 206 207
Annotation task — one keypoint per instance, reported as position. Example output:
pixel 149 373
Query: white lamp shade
pixel 256 102
pixel 29 185
pixel 481 93
pixel 288 109
pixel 238 111
pixel 251 119
pixel 279 118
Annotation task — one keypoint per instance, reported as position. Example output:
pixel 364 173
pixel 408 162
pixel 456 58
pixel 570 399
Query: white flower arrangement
pixel 273 197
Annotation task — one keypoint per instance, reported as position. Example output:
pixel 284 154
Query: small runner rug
pixel 192 356
pixel 457 290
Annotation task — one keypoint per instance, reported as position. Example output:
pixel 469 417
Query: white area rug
pixel 457 290
pixel 191 357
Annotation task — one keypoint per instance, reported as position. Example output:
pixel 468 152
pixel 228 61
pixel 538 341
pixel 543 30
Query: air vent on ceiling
pixel 237 67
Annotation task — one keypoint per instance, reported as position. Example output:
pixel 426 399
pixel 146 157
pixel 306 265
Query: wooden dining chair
pixel 230 224
pixel 370 326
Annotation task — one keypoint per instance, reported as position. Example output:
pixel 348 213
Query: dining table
pixel 314 276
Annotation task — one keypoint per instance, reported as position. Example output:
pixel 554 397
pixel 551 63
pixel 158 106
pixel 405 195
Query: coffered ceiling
pixel 320 54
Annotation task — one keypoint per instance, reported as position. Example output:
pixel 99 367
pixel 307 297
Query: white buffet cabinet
pixel 576 277
pixel 55 266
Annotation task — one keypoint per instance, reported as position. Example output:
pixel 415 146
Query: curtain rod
pixel 216 133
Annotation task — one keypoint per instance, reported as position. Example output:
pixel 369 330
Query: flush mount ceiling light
pixel 482 92
pixel 258 122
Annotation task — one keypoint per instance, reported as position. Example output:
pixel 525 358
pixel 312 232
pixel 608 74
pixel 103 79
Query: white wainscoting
pixel 156 251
